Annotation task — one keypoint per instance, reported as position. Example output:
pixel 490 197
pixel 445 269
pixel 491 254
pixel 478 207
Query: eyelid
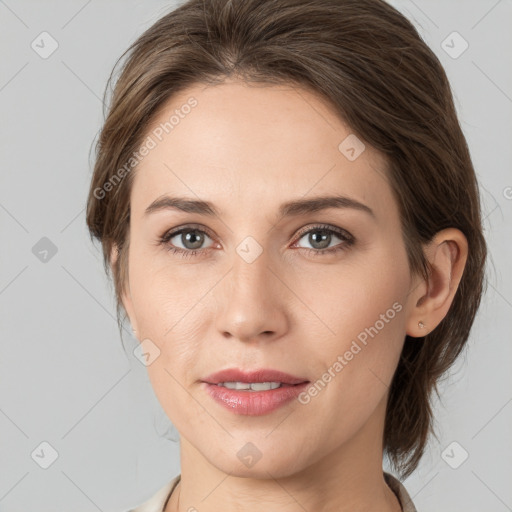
pixel 308 228
pixel 187 227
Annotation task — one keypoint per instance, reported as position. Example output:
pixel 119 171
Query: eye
pixel 190 238
pixel 321 238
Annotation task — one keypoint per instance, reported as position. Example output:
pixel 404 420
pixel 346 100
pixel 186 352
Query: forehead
pixel 255 145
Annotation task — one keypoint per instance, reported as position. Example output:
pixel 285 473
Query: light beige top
pixel 159 500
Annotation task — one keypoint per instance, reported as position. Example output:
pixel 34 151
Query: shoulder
pixel 157 502
pixel 403 496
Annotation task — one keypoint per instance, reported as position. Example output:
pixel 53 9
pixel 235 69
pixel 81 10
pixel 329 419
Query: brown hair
pixel 369 62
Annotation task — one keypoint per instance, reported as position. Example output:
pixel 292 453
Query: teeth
pixel 250 386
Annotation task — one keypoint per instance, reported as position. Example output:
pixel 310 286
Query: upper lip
pixel 261 375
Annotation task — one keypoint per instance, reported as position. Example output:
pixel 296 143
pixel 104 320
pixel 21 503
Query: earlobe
pixel 447 255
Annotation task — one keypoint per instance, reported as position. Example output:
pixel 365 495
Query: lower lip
pixel 254 403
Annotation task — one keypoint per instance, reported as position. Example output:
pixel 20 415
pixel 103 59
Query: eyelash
pixel 340 233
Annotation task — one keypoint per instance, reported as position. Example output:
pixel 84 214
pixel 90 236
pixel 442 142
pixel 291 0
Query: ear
pixel 447 254
pixel 126 296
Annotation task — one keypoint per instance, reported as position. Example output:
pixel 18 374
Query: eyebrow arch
pixel 289 209
pixel 315 204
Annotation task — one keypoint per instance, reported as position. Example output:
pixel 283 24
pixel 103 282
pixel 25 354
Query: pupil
pixel 324 236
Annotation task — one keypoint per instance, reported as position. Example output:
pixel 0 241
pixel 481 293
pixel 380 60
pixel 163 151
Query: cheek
pixel 363 311
pixel 354 367
pixel 173 373
pixel 164 295
pixel 350 298
pixel 168 312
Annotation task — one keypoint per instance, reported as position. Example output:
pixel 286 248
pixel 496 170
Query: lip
pixel 260 375
pixel 253 403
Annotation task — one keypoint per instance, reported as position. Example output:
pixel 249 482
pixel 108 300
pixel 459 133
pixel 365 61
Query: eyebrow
pixel 289 209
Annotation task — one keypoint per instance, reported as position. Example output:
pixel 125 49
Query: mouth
pixel 254 386
pixel 253 393
pixel 253 380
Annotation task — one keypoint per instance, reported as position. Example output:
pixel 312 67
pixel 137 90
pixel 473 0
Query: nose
pixel 252 301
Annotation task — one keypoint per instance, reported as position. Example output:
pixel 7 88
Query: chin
pixel 258 460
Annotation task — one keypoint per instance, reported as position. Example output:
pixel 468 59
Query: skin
pixel 247 149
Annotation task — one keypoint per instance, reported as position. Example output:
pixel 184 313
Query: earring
pixel 421 324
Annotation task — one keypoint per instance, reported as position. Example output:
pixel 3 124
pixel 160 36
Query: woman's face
pixel 322 294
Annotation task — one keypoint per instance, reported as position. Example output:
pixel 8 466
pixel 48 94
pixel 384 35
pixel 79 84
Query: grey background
pixel 64 377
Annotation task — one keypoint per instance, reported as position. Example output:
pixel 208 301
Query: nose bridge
pixel 249 302
pixel 250 272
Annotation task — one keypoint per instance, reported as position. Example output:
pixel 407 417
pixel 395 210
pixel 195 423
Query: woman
pixel 287 204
